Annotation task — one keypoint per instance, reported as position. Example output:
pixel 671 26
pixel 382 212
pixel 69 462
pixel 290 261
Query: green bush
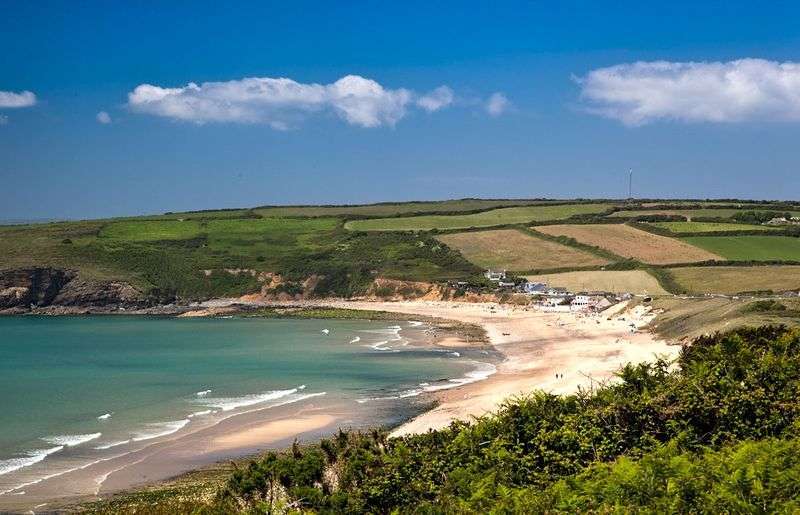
pixel 594 450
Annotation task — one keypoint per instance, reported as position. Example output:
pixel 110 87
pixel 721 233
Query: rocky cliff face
pixel 26 289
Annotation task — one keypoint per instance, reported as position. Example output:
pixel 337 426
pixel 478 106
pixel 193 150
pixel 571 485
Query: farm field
pixel 170 257
pixel 688 213
pixel 623 281
pixel 509 249
pixel 629 242
pixel 395 208
pixel 750 248
pixel 687 227
pixel 737 279
pixel 511 215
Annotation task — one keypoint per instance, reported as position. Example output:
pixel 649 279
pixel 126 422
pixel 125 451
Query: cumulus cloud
pixel 11 100
pixel 437 99
pixel 103 118
pixel 735 91
pixel 283 102
pixel 497 104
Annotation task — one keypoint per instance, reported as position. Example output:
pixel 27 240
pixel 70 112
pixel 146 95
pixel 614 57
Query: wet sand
pixel 537 349
pixel 554 352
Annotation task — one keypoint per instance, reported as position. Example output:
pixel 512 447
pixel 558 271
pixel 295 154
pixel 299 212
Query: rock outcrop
pixel 44 288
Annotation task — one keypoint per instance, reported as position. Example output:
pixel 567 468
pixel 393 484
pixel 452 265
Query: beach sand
pixel 555 352
pixel 538 348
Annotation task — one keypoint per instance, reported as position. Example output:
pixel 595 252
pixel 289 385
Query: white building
pixel 494 275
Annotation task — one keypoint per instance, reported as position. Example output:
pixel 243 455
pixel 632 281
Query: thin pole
pixel 630 183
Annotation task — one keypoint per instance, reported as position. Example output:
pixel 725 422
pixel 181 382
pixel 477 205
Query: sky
pixel 114 108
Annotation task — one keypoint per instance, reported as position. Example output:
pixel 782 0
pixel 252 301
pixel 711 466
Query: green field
pixel 152 230
pixel 689 213
pixel 749 248
pixel 396 208
pixel 190 258
pixel 511 215
pixel 688 227
pixel 737 279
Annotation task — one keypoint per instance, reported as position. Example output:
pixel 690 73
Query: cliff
pixel 43 289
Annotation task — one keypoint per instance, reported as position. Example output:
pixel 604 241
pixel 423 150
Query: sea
pixel 78 390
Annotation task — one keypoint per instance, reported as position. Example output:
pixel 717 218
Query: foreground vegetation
pixel 718 432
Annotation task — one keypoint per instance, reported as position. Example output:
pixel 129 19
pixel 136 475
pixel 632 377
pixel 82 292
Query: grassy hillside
pixel 750 248
pixel 716 434
pixel 396 208
pixel 689 213
pixel 622 281
pixel 630 242
pixel 691 227
pixel 197 259
pixel 737 279
pixel 511 215
pixel 509 249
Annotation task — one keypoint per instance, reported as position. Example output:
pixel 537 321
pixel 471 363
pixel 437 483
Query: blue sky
pixel 578 112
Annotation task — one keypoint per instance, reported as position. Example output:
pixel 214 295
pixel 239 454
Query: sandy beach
pixel 554 352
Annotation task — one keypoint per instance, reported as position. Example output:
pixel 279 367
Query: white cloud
pixel 103 118
pixel 497 104
pixel 735 91
pixel 10 100
pixel 439 98
pixel 282 102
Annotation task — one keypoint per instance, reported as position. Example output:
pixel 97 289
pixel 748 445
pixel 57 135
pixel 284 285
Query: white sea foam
pixel 203 393
pixel 326 331
pixel 29 459
pixel 71 440
pixel 112 444
pixel 456 354
pixel 230 403
pixel 356 339
pixel 104 416
pixel 481 372
pixel 161 429
pixel 199 413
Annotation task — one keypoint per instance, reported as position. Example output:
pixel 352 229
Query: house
pixel 505 284
pixel 556 292
pixel 494 275
pixel 580 302
pixel 534 288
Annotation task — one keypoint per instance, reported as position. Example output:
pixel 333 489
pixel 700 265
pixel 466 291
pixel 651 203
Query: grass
pixel 152 230
pixel 750 248
pixel 686 319
pixel 395 208
pixel 688 213
pixel 193 259
pixel 632 243
pixel 690 227
pixel 624 281
pixel 510 249
pixel 505 216
pixel 737 279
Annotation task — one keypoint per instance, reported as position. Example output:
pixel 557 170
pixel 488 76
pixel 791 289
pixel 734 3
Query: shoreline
pixel 555 352
pixel 533 347
pixel 241 436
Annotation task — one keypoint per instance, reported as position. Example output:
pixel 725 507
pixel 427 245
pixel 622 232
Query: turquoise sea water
pixel 73 389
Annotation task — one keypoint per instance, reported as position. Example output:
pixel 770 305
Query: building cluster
pixel 554 298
